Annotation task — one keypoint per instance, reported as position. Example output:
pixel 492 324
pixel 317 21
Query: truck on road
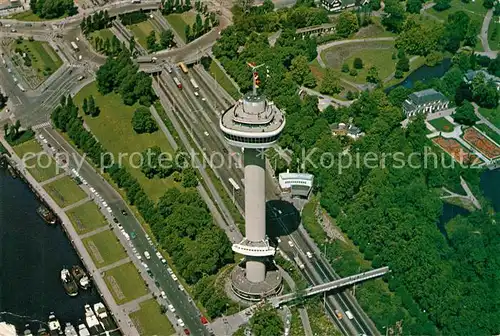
pixel 21 88
pixel 299 262
pixel 146 59
pixel 73 44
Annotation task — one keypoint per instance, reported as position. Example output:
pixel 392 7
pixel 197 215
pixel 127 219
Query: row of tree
pixel 89 107
pixel 109 46
pixel 52 9
pixel 166 40
pixel 133 17
pixel 200 27
pixel 96 21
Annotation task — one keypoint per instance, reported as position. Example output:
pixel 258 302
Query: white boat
pixel 69 330
pixel 90 317
pixel 7 329
pixel 27 332
pixel 100 310
pixel 54 324
pixel 82 330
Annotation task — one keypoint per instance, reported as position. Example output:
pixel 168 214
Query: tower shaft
pixel 255 209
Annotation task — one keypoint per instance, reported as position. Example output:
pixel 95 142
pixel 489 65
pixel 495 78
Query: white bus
pixel 234 184
pixel 349 315
pixel 21 88
pixel 194 84
pixel 73 44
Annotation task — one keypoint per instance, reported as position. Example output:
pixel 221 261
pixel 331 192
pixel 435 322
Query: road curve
pixel 484 31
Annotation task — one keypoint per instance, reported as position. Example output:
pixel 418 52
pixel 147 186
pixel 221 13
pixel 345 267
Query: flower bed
pixel 479 141
pixel 457 151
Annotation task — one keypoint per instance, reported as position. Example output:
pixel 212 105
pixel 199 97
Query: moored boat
pixel 90 318
pixel 80 277
pixel 69 283
pixel 42 332
pixel 82 330
pixel 46 214
pixel 27 331
pixel 54 325
pixel 69 330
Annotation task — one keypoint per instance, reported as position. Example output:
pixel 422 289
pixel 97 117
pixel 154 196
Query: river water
pixel 32 254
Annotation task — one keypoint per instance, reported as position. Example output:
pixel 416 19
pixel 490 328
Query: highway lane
pixel 184 307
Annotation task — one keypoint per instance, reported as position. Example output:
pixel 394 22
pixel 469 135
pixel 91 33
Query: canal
pixel 32 254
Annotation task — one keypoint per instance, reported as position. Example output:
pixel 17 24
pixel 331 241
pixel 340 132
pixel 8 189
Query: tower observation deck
pixel 254 124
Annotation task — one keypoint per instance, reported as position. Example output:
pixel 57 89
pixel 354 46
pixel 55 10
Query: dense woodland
pixel 440 284
pixel 52 9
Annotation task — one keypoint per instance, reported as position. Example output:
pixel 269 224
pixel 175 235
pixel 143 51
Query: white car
pixel 105 204
pixel 163 260
pixel 171 308
pixel 163 295
pixel 206 133
pixel 84 181
pixel 174 277
pixel 8 69
pixel 290 243
pixel 181 288
pixel 92 190
pixel 45 141
pixel 180 322
pixel 138 256
pixel 147 255
pixel 278 240
pixel 145 265
pixel 309 255
pixel 109 210
pixel 169 270
pixel 41 137
pixel 158 254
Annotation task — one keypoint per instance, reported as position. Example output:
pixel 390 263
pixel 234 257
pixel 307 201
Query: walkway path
pixel 332 99
pixel 484 31
pixel 77 204
pixel 115 264
pixel 483 120
pixel 468 197
pixel 52 179
pixel 94 232
pixel 133 305
pixel 122 319
pixel 325 46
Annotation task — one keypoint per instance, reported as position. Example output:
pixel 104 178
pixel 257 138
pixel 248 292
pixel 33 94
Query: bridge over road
pixel 339 283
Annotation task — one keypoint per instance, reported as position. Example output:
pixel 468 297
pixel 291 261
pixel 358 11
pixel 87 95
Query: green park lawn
pixel 65 191
pixel 141 31
pixel 103 34
pixel 114 130
pixel 377 54
pixel 494 34
pixel 493 115
pixel 26 16
pixel 149 321
pixel 475 10
pixel 28 147
pixel 489 132
pixel 44 59
pixel 104 248
pixel 43 167
pixel 441 124
pixel 223 81
pixel 125 283
pixel 180 21
pixel 86 217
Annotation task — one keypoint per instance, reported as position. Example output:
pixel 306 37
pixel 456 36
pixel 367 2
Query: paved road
pixel 180 300
pixel 484 120
pixel 484 30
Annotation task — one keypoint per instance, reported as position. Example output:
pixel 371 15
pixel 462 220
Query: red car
pixel 203 320
pixel 187 332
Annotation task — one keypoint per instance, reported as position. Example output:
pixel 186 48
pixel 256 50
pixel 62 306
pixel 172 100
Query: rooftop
pixel 471 74
pixel 253 114
pixel 426 96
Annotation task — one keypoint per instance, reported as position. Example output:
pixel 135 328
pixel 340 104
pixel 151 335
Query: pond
pixel 423 74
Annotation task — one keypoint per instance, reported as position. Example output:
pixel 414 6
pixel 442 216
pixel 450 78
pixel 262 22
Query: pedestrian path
pixel 77 204
pixel 115 264
pixel 42 125
pixel 52 179
pixel 134 305
pixel 94 232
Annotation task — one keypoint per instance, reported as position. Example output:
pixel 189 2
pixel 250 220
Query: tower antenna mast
pixel 254 79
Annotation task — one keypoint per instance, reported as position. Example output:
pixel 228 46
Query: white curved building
pixel 254 125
